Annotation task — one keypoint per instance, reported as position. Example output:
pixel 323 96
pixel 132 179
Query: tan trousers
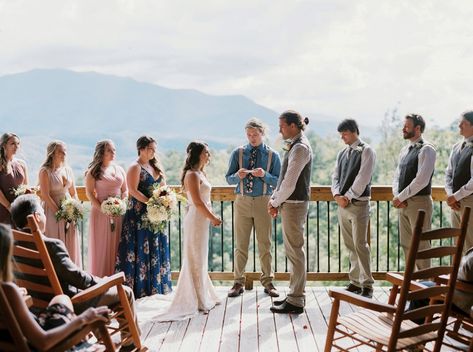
pixel 456 221
pixel 293 222
pixel 407 222
pixel 252 212
pixel 354 220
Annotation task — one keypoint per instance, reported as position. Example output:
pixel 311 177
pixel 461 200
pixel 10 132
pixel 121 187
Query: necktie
pixel 251 166
pixel 463 146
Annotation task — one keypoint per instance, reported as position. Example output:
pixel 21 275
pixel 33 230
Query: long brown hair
pixel 95 167
pixel 4 163
pixel 6 248
pixel 51 148
pixel 291 116
pixel 194 150
pixel 142 143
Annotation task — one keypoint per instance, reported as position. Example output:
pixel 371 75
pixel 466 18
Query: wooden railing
pixel 327 258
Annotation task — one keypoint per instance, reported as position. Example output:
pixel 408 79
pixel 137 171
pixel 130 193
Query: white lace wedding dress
pixel 194 291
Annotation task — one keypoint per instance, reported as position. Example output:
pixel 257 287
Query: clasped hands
pixel 398 204
pixel 272 211
pixel 258 172
pixel 453 203
pixel 342 201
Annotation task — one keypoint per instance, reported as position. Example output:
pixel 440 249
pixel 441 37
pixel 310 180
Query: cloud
pixel 334 57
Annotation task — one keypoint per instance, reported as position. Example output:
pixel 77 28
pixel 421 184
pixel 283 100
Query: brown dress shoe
pixel 236 290
pixel 270 290
pixel 353 288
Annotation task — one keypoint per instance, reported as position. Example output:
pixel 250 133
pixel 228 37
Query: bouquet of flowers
pixel 113 206
pixel 24 189
pixel 160 206
pixel 70 210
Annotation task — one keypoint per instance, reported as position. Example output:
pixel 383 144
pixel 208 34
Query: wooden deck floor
pixel 246 324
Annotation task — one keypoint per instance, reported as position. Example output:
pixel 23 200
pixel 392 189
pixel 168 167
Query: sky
pixel 355 59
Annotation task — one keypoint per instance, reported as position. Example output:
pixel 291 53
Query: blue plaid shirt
pixel 270 177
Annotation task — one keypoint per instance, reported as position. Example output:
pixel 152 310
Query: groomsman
pixel 459 175
pixel 254 168
pixel 351 188
pixel 412 185
pixel 291 198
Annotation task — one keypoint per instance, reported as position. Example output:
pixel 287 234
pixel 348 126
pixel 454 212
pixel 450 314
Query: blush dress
pixel 103 242
pixel 60 180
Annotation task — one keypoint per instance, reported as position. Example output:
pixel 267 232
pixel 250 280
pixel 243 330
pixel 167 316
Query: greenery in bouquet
pixel 113 206
pixel 70 210
pixel 159 208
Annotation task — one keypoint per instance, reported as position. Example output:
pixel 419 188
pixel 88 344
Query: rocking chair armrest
pixel 397 280
pixel 99 288
pixel 360 301
pixel 77 336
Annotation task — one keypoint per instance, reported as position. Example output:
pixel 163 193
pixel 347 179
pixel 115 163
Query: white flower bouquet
pixel 159 208
pixel 70 210
pixel 113 206
pixel 24 189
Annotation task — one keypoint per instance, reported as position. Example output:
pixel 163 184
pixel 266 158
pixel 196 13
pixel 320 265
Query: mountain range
pixel 83 107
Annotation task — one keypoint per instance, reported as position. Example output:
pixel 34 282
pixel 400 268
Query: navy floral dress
pixel 142 254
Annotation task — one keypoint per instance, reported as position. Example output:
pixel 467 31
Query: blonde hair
pixel 4 163
pixel 95 167
pixel 256 124
pixel 6 249
pixel 51 148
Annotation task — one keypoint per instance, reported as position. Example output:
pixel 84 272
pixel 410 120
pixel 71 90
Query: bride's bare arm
pixel 192 184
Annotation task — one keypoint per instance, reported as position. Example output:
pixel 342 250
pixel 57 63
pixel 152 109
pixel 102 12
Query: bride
pixel 195 291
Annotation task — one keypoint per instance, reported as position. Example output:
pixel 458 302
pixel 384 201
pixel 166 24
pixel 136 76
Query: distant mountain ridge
pixel 84 107
pixel 87 106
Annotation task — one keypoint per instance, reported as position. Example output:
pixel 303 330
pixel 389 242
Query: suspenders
pixel 268 166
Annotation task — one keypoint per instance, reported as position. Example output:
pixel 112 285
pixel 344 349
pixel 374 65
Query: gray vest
pixel 462 173
pixel 408 171
pixel 348 169
pixel 302 190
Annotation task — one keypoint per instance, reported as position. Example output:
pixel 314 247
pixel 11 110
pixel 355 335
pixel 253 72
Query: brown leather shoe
pixel 270 290
pixel 236 290
pixel 353 288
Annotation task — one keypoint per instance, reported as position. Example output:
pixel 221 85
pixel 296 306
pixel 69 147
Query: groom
pixel 291 198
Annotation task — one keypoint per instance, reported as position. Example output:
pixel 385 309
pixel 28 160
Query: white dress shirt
pixel 299 156
pixel 467 188
pixel 425 169
pixel 368 158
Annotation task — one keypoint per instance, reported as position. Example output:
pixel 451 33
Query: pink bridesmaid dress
pixel 103 242
pixel 60 181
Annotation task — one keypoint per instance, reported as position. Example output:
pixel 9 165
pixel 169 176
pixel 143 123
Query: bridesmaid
pixel 56 182
pixel 103 179
pixel 13 173
pixel 142 254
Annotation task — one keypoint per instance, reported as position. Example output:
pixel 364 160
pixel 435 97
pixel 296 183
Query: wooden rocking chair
pixel 460 328
pixel 13 339
pixel 50 282
pixel 389 327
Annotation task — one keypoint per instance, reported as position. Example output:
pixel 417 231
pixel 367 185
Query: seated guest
pixel 72 278
pixel 462 301
pixel 51 325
